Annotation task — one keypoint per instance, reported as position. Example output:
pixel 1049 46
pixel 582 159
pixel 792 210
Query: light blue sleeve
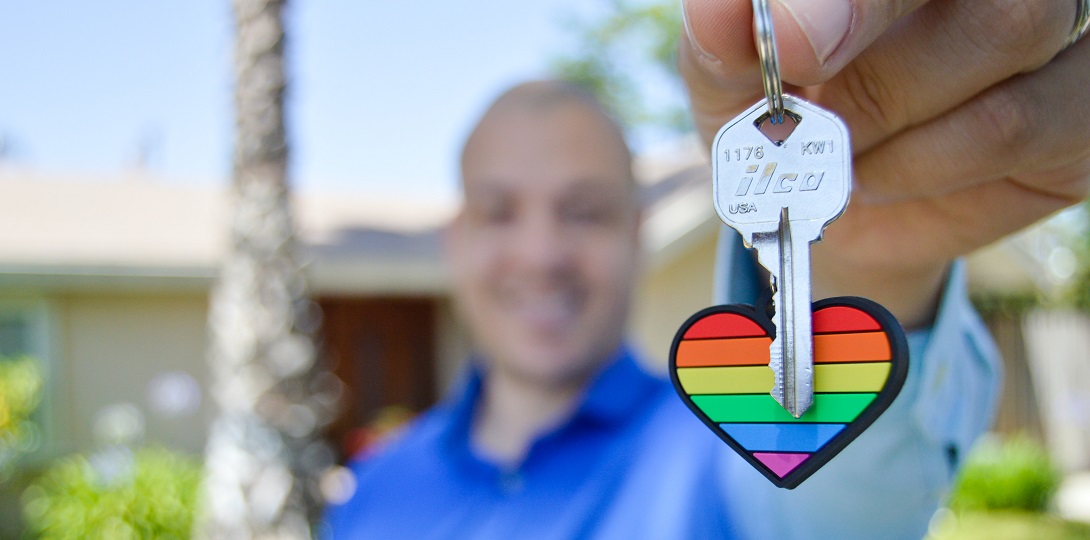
pixel 889 481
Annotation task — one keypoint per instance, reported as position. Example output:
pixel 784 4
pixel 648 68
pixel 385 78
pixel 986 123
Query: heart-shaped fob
pixel 719 367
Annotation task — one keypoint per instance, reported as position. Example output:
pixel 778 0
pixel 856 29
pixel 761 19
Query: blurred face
pixel 544 253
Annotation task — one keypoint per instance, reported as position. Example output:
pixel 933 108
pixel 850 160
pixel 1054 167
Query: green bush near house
pixel 1007 525
pixel 1015 474
pixel 116 494
pixel 1003 493
pixel 20 391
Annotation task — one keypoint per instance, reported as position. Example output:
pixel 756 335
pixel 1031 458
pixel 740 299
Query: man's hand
pixel 966 124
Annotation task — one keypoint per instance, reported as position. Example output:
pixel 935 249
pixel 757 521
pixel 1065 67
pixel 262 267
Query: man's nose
pixel 543 244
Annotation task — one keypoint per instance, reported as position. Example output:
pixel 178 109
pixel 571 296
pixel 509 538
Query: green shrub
pixel 1015 474
pixel 20 390
pixel 1007 525
pixel 116 494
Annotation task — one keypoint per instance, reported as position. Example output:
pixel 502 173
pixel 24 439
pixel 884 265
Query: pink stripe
pixel 781 464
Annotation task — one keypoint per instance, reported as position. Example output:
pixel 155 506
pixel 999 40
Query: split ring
pixel 770 63
pixel 1082 22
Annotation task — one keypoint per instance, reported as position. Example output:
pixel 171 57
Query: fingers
pixel 815 39
pixel 940 56
pixel 1032 122
pixel 892 63
pixel 924 233
pixel 896 253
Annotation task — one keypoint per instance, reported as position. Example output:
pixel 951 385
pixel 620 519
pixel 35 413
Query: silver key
pixel 780 185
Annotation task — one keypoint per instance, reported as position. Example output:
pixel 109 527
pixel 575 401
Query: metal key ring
pixel 1082 23
pixel 770 63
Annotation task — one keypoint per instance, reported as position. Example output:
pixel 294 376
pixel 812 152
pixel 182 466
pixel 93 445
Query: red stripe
pixel 724 325
pixel 843 319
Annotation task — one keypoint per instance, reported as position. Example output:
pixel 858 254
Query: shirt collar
pixel 613 396
pixel 617 391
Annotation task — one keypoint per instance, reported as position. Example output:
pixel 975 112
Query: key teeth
pixel 794 409
pixel 798 412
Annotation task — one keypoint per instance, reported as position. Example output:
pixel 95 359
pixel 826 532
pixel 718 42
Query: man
pixel 557 433
pixel 543 257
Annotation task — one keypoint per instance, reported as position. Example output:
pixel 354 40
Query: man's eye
pixel 588 214
pixel 495 214
pixel 499 216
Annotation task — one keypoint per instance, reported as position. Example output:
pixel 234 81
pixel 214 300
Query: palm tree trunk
pixel 263 455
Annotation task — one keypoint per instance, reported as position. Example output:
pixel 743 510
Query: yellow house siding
pixel 115 344
pixel 668 294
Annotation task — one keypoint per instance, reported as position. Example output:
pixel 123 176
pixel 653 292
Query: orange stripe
pixel 865 347
pixel 723 352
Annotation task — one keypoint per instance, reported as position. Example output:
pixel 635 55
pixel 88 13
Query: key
pixel 780 185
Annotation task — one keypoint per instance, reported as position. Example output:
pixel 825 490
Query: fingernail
pixel 825 22
pixel 689 32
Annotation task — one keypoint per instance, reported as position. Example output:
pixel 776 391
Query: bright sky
pixel 382 92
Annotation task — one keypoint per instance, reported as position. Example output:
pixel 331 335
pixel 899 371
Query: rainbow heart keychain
pixel 719 366
pixel 779 178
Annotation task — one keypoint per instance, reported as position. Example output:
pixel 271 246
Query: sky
pixel 382 93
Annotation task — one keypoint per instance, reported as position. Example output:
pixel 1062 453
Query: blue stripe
pixel 782 437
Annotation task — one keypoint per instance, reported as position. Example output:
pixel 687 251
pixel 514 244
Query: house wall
pixel 107 346
pixel 668 294
pixel 115 344
pixel 454 346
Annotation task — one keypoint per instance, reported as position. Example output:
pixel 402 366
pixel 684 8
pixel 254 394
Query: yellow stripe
pixel 857 377
pixel 863 377
pixel 726 380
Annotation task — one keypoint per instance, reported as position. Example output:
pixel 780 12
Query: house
pixel 106 281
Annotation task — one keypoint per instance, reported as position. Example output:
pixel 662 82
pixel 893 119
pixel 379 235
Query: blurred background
pixel 116 134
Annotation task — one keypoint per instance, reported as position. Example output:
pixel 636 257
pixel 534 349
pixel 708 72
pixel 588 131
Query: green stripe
pixel 836 408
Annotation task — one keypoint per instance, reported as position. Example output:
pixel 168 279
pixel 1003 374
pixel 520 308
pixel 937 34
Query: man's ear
pixel 637 240
pixel 451 238
pixel 637 228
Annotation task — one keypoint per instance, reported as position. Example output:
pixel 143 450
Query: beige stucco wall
pixel 453 346
pixel 108 345
pixel 113 344
pixel 668 294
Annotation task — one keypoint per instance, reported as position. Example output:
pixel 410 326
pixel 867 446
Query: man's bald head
pixel 544 98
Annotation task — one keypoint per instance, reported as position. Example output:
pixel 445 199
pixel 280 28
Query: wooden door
pixel 384 351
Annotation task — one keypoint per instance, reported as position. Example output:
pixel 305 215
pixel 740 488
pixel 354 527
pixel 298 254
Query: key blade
pixel 786 255
pixel 797 383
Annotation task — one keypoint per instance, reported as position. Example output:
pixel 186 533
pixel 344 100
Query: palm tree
pixel 263 455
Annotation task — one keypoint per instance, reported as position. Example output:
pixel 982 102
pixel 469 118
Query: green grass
pixel 1006 525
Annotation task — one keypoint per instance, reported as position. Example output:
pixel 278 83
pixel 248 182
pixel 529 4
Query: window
pixel 15 334
pixel 25 326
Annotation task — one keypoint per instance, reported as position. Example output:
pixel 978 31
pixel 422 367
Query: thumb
pixel 814 39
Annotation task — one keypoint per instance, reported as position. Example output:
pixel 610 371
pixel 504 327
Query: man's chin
pixel 546 331
pixel 560 368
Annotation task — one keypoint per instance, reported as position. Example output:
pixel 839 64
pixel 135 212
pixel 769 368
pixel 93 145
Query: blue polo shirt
pixel 631 462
